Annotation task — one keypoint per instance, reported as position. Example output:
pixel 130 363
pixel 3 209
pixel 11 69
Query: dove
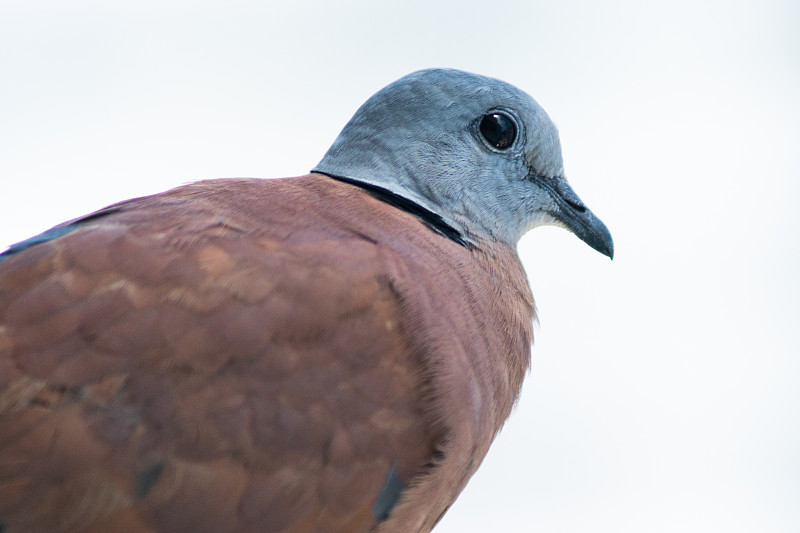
pixel 333 352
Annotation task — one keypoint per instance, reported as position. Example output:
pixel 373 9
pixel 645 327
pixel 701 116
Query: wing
pixel 174 366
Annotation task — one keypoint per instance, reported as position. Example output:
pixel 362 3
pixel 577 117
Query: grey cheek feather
pixel 537 208
pixel 543 152
pixel 544 219
pixel 444 164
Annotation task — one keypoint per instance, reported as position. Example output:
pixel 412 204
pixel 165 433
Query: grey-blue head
pixel 476 151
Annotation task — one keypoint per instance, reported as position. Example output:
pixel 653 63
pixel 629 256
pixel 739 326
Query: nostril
pixel 566 192
pixel 576 203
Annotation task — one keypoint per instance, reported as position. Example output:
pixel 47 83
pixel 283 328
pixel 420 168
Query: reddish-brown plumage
pixel 252 355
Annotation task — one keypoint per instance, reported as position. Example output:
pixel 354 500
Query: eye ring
pixel 498 129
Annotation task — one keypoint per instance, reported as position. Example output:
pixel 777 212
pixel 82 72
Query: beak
pixel 574 214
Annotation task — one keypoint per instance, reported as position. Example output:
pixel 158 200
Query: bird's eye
pixel 499 130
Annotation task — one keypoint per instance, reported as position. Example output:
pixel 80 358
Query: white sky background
pixel 665 390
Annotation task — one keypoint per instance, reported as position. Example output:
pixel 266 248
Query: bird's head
pixel 476 151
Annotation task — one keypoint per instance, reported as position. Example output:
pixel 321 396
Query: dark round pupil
pixel 499 130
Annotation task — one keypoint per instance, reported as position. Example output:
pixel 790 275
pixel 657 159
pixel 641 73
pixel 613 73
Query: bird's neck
pixel 433 220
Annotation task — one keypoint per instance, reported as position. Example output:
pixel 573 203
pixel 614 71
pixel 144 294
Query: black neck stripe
pixel 430 218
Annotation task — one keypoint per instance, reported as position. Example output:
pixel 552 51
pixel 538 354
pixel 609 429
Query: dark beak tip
pixel 601 240
pixel 605 247
pixel 609 249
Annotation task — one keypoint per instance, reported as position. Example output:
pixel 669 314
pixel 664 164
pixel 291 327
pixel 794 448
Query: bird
pixel 332 352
